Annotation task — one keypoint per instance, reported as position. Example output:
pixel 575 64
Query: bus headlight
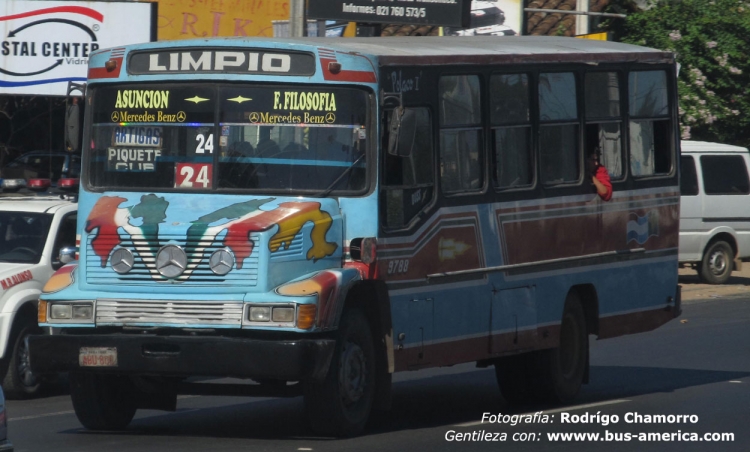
pixel 283 315
pixel 73 312
pixel 83 312
pixel 60 311
pixel 260 314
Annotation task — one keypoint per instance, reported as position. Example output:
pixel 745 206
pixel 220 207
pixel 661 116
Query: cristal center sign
pixel 46 44
pixel 449 13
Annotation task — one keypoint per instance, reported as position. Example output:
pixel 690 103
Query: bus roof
pixel 440 50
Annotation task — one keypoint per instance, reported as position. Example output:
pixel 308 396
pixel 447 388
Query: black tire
pixel 513 379
pixel 717 264
pixel 340 405
pixel 102 402
pixel 19 381
pixel 561 370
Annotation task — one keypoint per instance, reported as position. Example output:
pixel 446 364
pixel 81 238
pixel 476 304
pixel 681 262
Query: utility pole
pixel 297 22
pixel 582 21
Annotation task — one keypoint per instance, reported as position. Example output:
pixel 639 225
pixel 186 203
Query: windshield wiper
pixel 328 190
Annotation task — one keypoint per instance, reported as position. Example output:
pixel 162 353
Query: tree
pixel 711 40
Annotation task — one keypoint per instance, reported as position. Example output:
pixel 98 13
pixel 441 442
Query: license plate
pixel 97 357
pixel 138 136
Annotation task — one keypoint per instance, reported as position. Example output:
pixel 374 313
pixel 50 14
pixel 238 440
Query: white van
pixel 714 209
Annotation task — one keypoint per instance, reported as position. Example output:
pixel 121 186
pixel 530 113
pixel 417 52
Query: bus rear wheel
pixel 513 378
pixel 562 369
pixel 340 405
pixel 102 402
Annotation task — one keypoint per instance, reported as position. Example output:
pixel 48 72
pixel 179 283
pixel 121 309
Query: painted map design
pixel 238 220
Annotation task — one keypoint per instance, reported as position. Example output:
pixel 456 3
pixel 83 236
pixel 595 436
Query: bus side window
pixel 650 127
pixel 604 120
pixel 511 131
pixel 460 134
pixel 408 175
pixel 558 131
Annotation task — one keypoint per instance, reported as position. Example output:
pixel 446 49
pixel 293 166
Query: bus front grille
pixel 168 312
pixel 197 274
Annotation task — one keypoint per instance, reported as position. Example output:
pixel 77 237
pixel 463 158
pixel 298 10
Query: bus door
pixel 513 319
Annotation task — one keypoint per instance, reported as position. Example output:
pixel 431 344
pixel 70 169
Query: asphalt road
pixel 697 365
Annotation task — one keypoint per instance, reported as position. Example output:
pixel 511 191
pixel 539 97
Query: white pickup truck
pixel 33 230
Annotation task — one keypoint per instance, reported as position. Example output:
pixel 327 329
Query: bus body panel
pixel 443 275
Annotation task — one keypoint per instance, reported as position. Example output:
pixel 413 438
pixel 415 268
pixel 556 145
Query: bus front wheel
pixel 340 404
pixel 562 369
pixel 102 402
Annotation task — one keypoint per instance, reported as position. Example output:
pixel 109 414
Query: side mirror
pixel 364 249
pixel 72 126
pixel 67 254
pixel 76 92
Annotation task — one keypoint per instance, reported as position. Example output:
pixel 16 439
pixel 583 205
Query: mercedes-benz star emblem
pixel 122 260
pixel 171 261
pixel 221 261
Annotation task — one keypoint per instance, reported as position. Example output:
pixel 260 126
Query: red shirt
pixel 603 176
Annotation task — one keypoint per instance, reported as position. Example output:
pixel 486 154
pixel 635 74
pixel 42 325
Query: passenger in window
pixel 599 176
pixel 241 149
pixel 266 147
pixel 335 150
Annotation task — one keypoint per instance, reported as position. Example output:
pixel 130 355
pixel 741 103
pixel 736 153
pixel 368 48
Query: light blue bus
pixel 313 215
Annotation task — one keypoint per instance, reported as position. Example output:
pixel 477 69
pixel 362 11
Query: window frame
pixel 528 124
pixel 480 127
pixel 630 119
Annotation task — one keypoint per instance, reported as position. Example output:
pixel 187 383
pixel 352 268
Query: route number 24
pixel 193 175
pixel 205 144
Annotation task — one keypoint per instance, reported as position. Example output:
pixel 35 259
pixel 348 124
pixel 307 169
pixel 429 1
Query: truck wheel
pixel 340 404
pixel 512 375
pixel 717 263
pixel 102 402
pixel 19 381
pixel 561 370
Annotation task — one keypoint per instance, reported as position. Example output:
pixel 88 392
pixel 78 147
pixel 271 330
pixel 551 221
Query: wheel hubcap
pixel 352 373
pixel 718 263
pixel 23 366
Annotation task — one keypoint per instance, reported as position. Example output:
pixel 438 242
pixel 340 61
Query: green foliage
pixel 711 40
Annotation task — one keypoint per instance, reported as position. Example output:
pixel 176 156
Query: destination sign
pixel 449 13
pixel 141 112
pixel 294 105
pixel 133 159
pixel 221 60
pixel 138 136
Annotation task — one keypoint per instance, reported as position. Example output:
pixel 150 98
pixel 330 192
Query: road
pixel 696 365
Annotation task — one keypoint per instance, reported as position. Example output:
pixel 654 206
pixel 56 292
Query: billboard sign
pixel 46 44
pixel 492 18
pixel 189 19
pixel 450 13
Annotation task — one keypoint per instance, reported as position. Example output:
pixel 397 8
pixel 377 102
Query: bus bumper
pixel 289 360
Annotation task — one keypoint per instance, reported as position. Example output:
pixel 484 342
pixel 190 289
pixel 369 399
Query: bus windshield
pixel 204 137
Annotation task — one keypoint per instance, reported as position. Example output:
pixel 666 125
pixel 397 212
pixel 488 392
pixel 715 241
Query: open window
pixel 650 127
pixel 604 120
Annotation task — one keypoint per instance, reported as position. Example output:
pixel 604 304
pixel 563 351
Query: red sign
pixel 193 175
